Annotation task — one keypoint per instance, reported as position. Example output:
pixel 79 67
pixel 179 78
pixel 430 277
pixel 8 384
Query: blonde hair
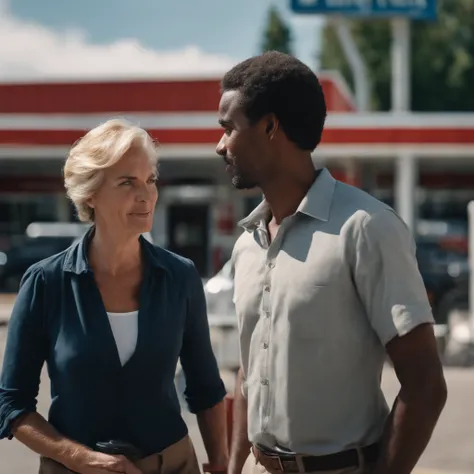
pixel 99 149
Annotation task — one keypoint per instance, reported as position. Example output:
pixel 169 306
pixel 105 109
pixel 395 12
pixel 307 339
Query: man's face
pixel 242 145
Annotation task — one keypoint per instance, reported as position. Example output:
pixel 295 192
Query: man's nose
pixel 221 148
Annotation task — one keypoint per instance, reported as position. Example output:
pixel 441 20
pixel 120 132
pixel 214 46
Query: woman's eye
pixel 125 183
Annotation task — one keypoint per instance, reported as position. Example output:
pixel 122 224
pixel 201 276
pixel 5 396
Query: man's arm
pixel 240 447
pixel 419 403
pixel 385 268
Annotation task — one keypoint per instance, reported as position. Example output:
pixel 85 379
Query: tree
pixel 277 34
pixel 442 58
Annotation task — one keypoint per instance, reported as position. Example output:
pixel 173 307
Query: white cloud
pixel 32 51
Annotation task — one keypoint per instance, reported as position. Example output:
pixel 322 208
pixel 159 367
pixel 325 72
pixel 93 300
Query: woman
pixel 111 316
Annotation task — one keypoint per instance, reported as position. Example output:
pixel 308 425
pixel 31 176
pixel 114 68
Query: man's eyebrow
pixel 225 123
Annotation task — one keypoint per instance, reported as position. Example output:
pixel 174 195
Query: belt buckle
pixel 288 465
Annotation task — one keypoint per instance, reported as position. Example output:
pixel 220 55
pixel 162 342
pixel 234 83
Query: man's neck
pixel 285 193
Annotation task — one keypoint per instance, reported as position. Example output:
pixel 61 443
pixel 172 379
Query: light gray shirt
pixel 315 310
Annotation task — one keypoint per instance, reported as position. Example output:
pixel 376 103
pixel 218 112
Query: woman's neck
pixel 113 254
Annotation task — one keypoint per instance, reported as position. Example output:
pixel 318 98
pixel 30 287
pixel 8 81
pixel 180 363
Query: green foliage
pixel 277 34
pixel 442 58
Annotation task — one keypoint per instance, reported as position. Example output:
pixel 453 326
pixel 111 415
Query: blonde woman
pixel 111 316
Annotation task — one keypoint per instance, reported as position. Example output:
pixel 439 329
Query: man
pixel 326 285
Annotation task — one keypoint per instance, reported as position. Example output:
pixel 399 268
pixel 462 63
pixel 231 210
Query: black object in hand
pixel 119 447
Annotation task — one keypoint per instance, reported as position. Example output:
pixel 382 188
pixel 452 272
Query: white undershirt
pixel 125 329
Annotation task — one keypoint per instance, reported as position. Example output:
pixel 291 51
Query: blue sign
pixel 416 9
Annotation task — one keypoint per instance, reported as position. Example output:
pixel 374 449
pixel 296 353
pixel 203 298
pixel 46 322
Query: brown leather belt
pixel 279 462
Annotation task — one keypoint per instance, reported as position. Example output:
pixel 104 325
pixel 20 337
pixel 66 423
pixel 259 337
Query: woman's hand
pixel 93 462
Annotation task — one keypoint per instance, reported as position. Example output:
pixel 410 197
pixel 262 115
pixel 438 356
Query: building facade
pixel 406 159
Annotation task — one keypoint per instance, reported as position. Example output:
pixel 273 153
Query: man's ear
pixel 271 126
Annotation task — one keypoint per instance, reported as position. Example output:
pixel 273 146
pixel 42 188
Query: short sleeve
pixel 387 277
pixel 25 352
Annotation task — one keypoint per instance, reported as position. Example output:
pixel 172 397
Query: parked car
pixel 219 292
pixel 453 310
pixel 42 240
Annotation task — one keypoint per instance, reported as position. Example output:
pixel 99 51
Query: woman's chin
pixel 140 225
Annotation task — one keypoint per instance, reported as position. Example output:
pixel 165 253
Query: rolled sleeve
pixel 387 276
pixel 204 386
pixel 25 352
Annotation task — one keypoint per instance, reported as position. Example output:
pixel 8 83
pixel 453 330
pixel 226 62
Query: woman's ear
pixel 90 202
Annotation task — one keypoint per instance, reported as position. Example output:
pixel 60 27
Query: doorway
pixel 188 233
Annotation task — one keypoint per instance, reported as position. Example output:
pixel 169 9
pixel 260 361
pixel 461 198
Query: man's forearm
pixel 240 447
pixel 213 428
pixel 409 429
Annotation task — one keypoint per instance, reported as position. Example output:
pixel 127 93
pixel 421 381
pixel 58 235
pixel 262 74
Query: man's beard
pixel 241 182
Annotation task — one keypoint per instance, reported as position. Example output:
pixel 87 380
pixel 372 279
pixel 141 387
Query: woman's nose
pixel 144 192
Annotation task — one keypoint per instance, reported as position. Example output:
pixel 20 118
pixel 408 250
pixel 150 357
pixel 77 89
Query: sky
pixel 50 39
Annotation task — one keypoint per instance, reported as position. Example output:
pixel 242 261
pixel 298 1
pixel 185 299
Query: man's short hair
pixel 281 84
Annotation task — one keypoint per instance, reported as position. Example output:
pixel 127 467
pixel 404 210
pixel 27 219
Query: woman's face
pixel 126 200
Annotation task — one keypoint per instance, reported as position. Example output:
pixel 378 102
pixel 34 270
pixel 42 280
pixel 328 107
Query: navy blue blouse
pixel 59 317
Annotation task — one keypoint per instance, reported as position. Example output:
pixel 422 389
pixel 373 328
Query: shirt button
pixel 271 265
pixel 264 382
pixel 265 345
pixel 267 314
pixel 267 289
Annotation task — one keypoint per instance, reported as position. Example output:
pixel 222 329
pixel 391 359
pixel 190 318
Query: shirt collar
pixel 76 260
pixel 316 203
